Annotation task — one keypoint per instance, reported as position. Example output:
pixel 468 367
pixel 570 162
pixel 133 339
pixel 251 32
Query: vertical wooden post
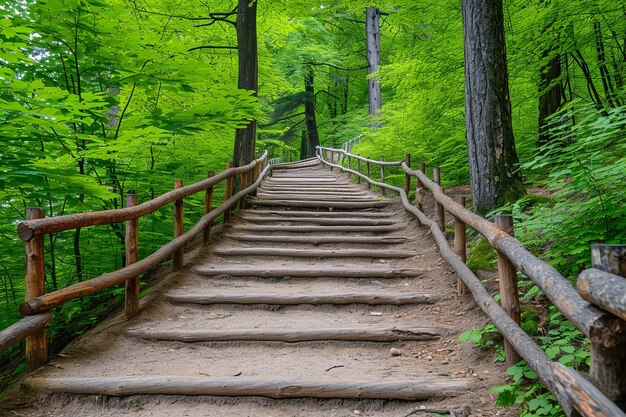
pixel 228 192
pixel 420 191
pixel 131 240
pixel 179 228
pixel 245 180
pixel 460 245
pixel 608 359
pixel 441 214
pixel 255 175
pixel 332 158
pixel 350 166
pixel 369 174
pixel 382 175
pixel 36 347
pixel 407 177
pixel 509 293
pixel 358 167
pixel 208 206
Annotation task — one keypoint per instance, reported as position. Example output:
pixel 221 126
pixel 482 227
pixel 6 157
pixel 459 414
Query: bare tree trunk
pixel 551 93
pixel 494 166
pixel 309 112
pixel 245 139
pixel 373 56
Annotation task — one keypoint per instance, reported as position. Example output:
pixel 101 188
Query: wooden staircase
pixel 318 289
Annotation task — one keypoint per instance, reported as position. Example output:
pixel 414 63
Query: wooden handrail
pixel 372 161
pixel 26 230
pixel 82 289
pixel 22 329
pixel 571 389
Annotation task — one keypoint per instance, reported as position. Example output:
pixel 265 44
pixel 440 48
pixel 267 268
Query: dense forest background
pixel 101 97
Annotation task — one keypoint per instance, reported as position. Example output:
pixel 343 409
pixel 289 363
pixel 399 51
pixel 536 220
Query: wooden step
pixel 296 213
pixel 246 386
pixel 314 193
pixel 309 181
pixel 319 220
pixel 372 334
pixel 338 188
pixel 315 253
pixel 315 197
pixel 307 271
pixel 320 239
pixel 369 298
pixel 320 204
pixel 309 229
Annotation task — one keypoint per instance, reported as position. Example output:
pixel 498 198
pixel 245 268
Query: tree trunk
pixel 309 112
pixel 494 166
pixel 551 93
pixel 245 139
pixel 304 145
pixel 373 57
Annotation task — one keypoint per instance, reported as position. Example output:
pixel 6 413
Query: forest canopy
pixel 101 97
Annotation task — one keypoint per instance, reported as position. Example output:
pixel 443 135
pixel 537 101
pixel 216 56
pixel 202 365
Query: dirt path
pixel 309 334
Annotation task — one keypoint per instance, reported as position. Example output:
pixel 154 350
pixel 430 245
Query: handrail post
pixel 36 346
pixel 509 293
pixel 228 193
pixel 407 177
pixel 331 155
pixel 441 214
pixel 420 191
pixel 179 228
pixel 208 206
pixel 368 169
pixel 358 167
pixel 608 359
pixel 460 245
pixel 382 175
pixel 245 179
pixel 350 167
pixel 131 240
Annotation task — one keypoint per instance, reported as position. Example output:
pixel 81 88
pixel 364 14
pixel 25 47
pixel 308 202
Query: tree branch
pixel 282 119
pixel 195 48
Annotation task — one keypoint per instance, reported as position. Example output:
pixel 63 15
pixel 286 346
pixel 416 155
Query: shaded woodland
pixel 101 97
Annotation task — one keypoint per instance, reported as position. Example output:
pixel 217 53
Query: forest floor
pixel 110 350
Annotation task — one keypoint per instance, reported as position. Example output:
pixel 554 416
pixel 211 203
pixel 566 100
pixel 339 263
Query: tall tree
pixel 247 51
pixel 494 170
pixel 373 56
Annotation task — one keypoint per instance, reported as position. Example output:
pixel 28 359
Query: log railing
pixel 32 232
pixel 606 392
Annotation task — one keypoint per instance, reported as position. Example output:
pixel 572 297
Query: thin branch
pixel 329 93
pixel 215 20
pixel 211 47
pixel 282 119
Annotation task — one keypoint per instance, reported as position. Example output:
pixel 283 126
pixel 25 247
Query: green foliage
pixel 481 256
pixel 583 167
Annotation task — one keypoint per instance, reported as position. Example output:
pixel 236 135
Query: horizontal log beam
pixel 294 213
pixel 347 193
pixel 26 230
pixel 281 272
pixel 292 335
pixel 314 299
pixel 603 289
pixel 315 197
pixel 82 289
pixel 319 240
pixel 320 204
pixel 22 329
pixel 316 253
pixel 321 229
pixel 371 161
pixel 263 387
pixel 320 220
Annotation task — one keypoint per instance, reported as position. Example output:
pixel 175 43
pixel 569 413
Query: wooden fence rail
pixel 32 231
pixel 576 394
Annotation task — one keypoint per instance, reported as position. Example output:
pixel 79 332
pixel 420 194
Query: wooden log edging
pixel 320 220
pixel 26 230
pixel 242 386
pixel 564 382
pixel 315 253
pixel 321 204
pixel 281 272
pixel 321 239
pixel 293 213
pixel 377 298
pixel 22 329
pixel 310 229
pixel 368 334
pixel 53 299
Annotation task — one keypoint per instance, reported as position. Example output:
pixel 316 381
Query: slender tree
pixel 494 170
pixel 247 51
